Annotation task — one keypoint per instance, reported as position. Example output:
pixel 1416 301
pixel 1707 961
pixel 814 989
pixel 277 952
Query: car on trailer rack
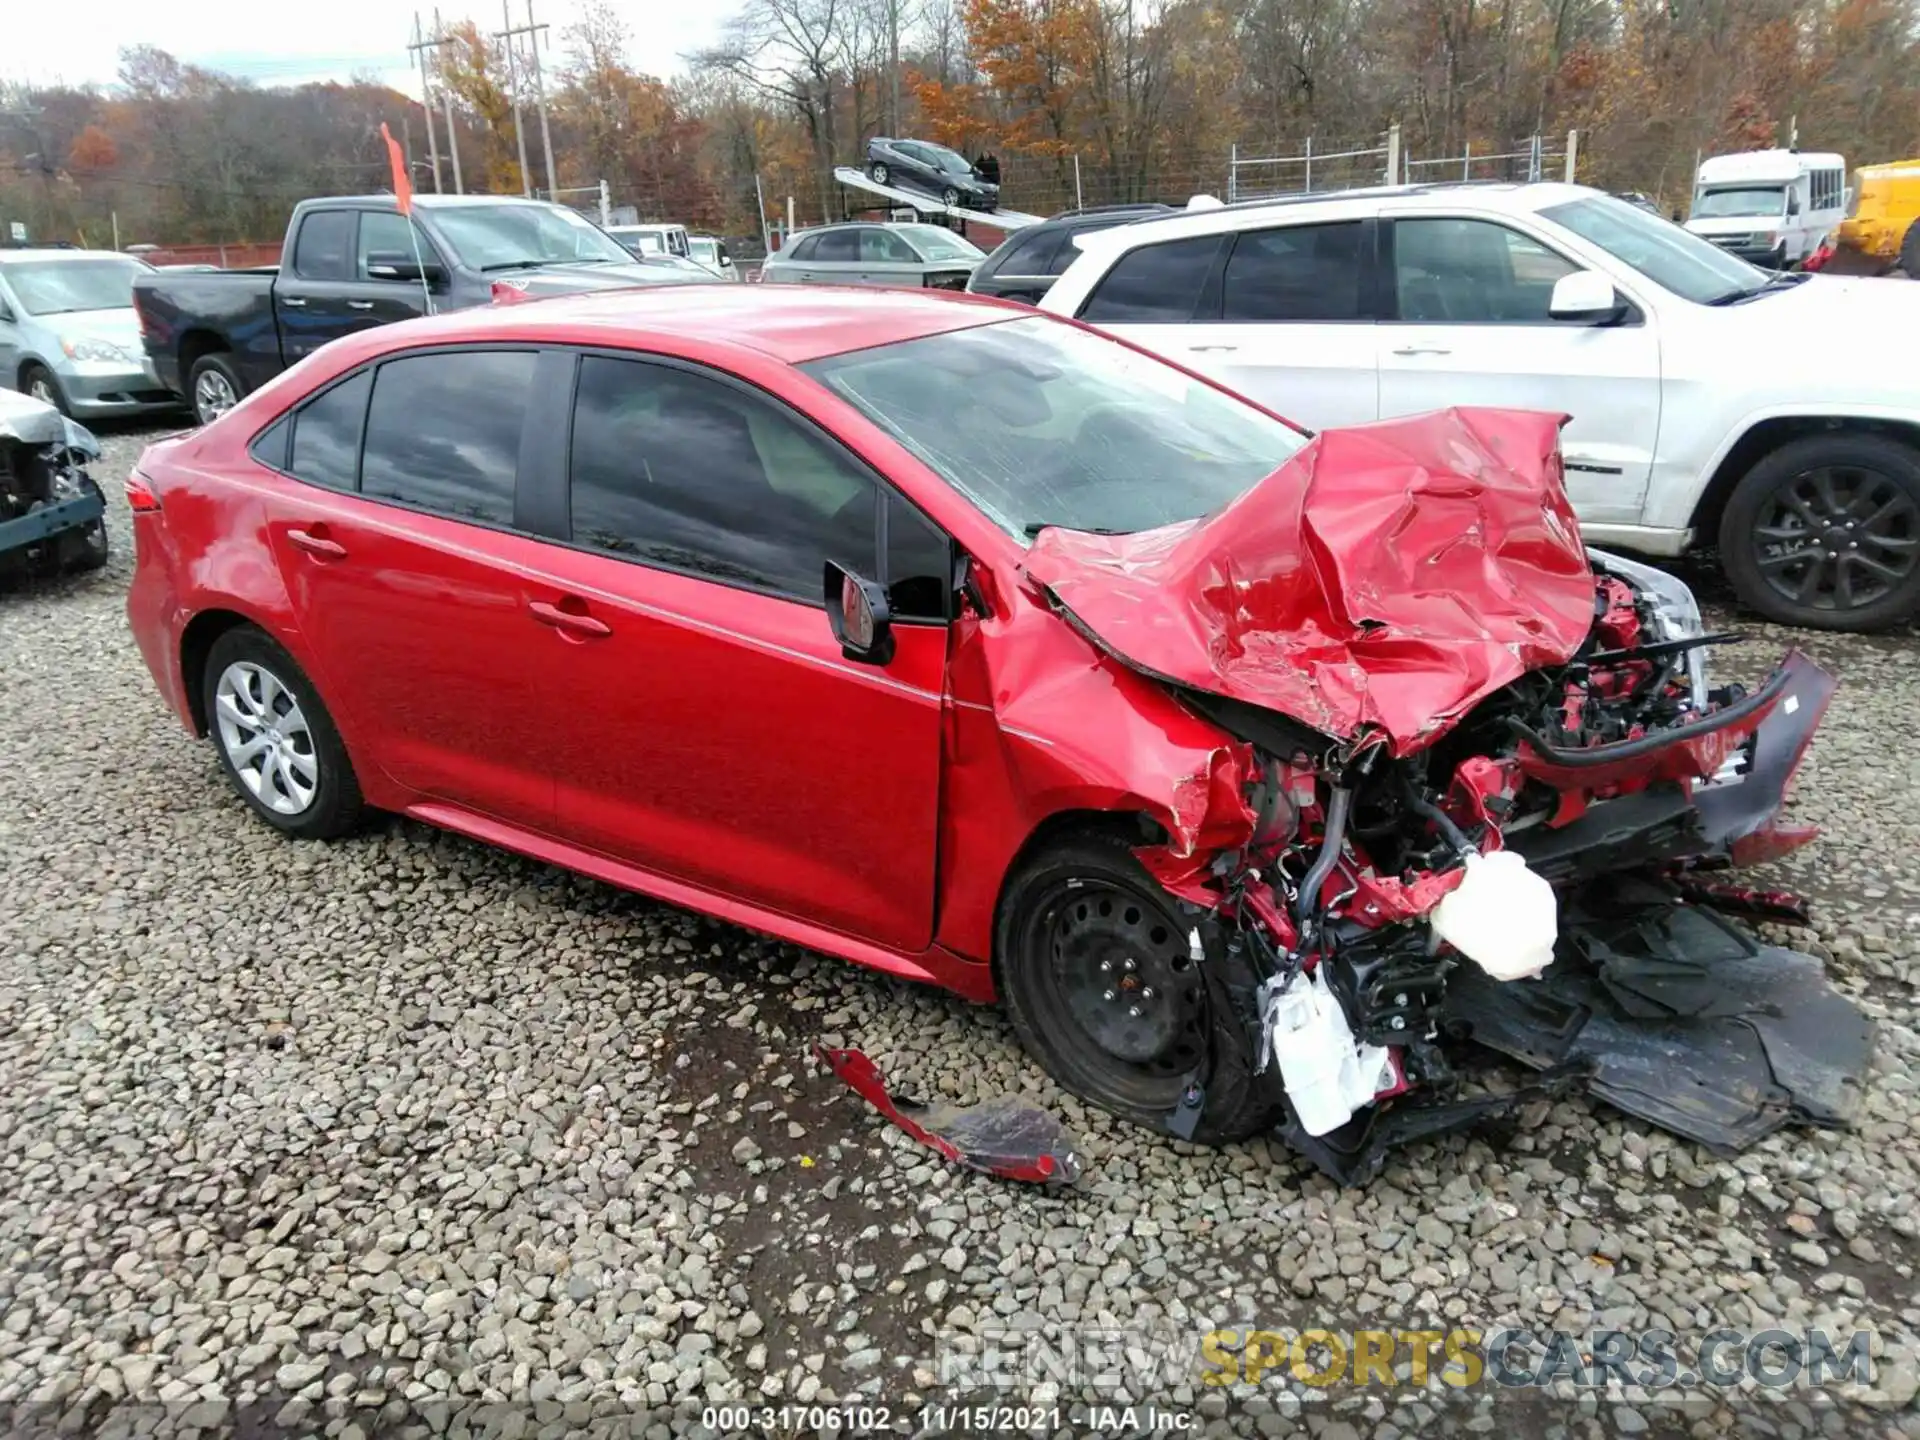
pixel 921 165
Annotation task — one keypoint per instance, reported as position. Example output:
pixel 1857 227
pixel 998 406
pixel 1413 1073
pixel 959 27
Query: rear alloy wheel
pixel 1101 985
pixel 277 742
pixel 214 386
pixel 1825 533
pixel 878 172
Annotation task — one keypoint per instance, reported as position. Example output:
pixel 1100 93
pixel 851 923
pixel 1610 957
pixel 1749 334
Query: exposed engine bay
pixel 50 509
pixel 1483 806
pixel 1520 883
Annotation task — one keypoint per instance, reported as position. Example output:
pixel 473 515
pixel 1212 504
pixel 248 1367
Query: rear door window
pixel 443 432
pixel 1300 273
pixel 326 434
pixel 836 246
pixel 323 250
pixel 1154 284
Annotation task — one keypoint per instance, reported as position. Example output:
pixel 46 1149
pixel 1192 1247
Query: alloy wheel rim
pixel 1837 538
pixel 266 737
pixel 212 395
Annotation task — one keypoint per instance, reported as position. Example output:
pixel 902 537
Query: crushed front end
pixel 1523 863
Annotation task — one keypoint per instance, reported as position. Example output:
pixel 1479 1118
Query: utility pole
pixel 893 66
pixel 419 49
pixel 540 99
pixel 440 40
pixel 505 37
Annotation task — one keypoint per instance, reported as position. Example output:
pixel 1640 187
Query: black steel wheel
pixel 1101 986
pixel 1825 533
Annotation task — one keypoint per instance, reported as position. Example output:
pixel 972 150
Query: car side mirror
pixel 1586 296
pixel 857 610
pixel 398 265
pixel 1793 204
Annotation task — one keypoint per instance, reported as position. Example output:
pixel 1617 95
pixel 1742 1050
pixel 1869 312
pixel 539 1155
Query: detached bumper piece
pixel 1009 1137
pixel 1678 1019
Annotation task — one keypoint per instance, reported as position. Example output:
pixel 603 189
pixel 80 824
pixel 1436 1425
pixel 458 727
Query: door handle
pixel 315 543
pixel 359 304
pixel 1198 349
pixel 294 301
pixel 573 622
pixel 1422 350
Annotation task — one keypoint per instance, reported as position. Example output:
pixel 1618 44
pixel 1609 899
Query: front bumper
pixel 49 520
pixel 96 389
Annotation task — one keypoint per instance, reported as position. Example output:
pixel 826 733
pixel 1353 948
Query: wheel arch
pixel 29 361
pixel 196 644
pixel 200 342
pixel 1135 827
pixel 1764 435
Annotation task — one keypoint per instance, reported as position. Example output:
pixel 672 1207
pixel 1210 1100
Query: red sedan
pixel 984 649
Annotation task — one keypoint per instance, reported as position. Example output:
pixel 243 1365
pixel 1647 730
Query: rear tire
pixel 1910 251
pixel 213 387
pixel 39 382
pixel 1825 533
pixel 276 741
pixel 1086 903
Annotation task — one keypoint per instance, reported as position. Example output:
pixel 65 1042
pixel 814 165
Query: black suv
pixel 1028 261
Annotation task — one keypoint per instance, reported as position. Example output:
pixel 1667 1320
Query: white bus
pixel 1773 207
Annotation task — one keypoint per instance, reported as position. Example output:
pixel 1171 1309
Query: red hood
pixel 1388 576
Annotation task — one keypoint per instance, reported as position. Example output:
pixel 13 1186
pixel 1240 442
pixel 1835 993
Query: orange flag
pixel 402 183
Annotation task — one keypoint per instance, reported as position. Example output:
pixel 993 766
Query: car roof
pixel 1494 196
pixel 790 324
pixel 46 252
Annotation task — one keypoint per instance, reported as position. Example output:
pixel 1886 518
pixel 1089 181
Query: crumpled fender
pixel 1387 576
pixel 1040 723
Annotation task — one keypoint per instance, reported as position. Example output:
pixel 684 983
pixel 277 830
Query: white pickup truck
pixel 1712 402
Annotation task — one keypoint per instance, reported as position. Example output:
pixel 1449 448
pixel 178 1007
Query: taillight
pixel 141 498
pixel 509 292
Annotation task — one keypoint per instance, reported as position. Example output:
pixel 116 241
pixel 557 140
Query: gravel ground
pixel 306 1131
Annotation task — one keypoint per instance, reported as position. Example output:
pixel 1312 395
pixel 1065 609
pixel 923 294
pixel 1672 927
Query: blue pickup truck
pixel 354 262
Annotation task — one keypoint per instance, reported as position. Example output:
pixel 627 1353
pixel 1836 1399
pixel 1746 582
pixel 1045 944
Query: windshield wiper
pixel 1033 528
pixel 519 265
pixel 1778 282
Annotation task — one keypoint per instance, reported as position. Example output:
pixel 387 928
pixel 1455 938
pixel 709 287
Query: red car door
pixel 706 725
pixel 411 592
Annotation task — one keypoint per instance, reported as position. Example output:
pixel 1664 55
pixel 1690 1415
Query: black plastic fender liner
pixel 1681 1019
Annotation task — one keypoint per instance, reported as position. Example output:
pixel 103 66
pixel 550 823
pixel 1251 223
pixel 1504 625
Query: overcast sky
pixel 281 43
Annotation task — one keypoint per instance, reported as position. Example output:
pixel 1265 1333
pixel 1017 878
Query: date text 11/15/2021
pixel 946 1419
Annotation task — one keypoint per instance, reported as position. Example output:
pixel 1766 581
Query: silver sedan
pixel 910 257
pixel 69 336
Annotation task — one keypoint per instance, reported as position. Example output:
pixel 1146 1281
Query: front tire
pixel 949 197
pixel 276 741
pixel 1910 251
pixel 1102 990
pixel 38 381
pixel 82 550
pixel 878 172
pixel 213 387
pixel 1825 533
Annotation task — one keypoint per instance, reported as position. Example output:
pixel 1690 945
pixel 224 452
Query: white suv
pixel 1777 416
